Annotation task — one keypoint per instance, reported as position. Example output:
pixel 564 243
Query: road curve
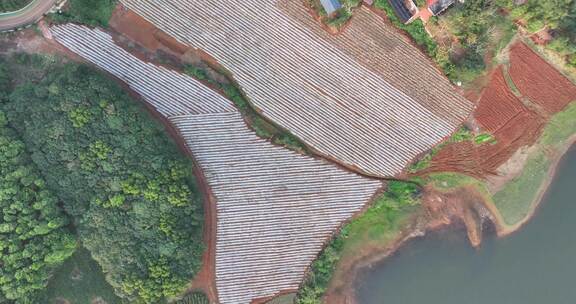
pixel 27 15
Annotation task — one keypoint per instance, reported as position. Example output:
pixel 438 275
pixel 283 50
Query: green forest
pixel 12 5
pixel 34 237
pixel 103 160
pixel 89 12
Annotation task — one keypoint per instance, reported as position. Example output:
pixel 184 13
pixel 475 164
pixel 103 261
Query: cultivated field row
pixel 380 47
pixel 313 87
pixel 275 208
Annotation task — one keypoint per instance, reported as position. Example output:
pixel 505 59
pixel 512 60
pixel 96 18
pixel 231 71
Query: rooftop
pixel 330 6
pixel 438 6
pixel 402 10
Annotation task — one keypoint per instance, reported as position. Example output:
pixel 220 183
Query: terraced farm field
pixel 539 81
pixel 371 102
pixel 275 208
pixel 512 123
pixel 497 105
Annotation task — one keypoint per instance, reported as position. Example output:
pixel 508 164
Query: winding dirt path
pixel 25 16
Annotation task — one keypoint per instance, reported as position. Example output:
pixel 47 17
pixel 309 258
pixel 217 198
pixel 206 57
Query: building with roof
pixel 404 9
pixel 436 7
pixel 331 6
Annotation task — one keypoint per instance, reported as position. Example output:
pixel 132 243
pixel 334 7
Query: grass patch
pixel 516 199
pixel 448 181
pixel 381 224
pixel 484 138
pixel 560 127
pixel 79 280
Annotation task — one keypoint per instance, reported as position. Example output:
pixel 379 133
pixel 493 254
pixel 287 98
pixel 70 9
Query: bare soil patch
pixel 497 104
pixel 512 123
pixel 539 81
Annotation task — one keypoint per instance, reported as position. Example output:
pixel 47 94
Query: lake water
pixel 536 265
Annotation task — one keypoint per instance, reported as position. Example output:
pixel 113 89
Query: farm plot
pixel 539 81
pixel 498 105
pixel 379 47
pixel 512 124
pixel 275 208
pixel 484 160
pixel 309 85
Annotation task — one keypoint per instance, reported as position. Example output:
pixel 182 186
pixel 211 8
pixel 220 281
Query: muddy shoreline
pixel 347 294
pixel 558 156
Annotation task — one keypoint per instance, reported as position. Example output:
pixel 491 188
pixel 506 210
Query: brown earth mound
pixel 539 81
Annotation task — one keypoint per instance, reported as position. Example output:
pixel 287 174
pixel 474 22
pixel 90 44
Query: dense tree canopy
pixel 33 234
pixel 558 16
pixel 128 188
pixel 13 5
pixel 90 12
pixel 5 80
pixel 537 13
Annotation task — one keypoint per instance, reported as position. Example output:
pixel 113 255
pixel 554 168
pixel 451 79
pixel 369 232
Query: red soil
pixel 539 81
pixel 523 130
pixel 458 157
pixel 481 161
pixel 498 104
pixel 502 114
pixel 136 28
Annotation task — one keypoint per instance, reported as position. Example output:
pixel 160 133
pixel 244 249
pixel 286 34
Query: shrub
pixel 89 12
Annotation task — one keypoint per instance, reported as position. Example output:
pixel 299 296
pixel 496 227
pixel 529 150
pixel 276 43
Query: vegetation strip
pixel 381 224
pixel 25 16
pixel 9 6
pixel 89 12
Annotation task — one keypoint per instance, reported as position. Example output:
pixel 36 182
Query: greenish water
pixel 536 265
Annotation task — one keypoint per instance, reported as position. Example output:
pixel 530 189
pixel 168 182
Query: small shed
pixel 330 6
pixel 404 9
pixel 438 6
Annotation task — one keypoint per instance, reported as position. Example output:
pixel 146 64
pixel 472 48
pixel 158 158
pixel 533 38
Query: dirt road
pixel 29 14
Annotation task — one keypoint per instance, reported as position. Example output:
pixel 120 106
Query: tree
pixel 123 180
pixel 34 238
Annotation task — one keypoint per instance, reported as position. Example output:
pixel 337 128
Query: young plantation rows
pixel 275 208
pixel 311 86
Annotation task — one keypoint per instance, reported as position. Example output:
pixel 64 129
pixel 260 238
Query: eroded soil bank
pixel 461 207
pixel 534 265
